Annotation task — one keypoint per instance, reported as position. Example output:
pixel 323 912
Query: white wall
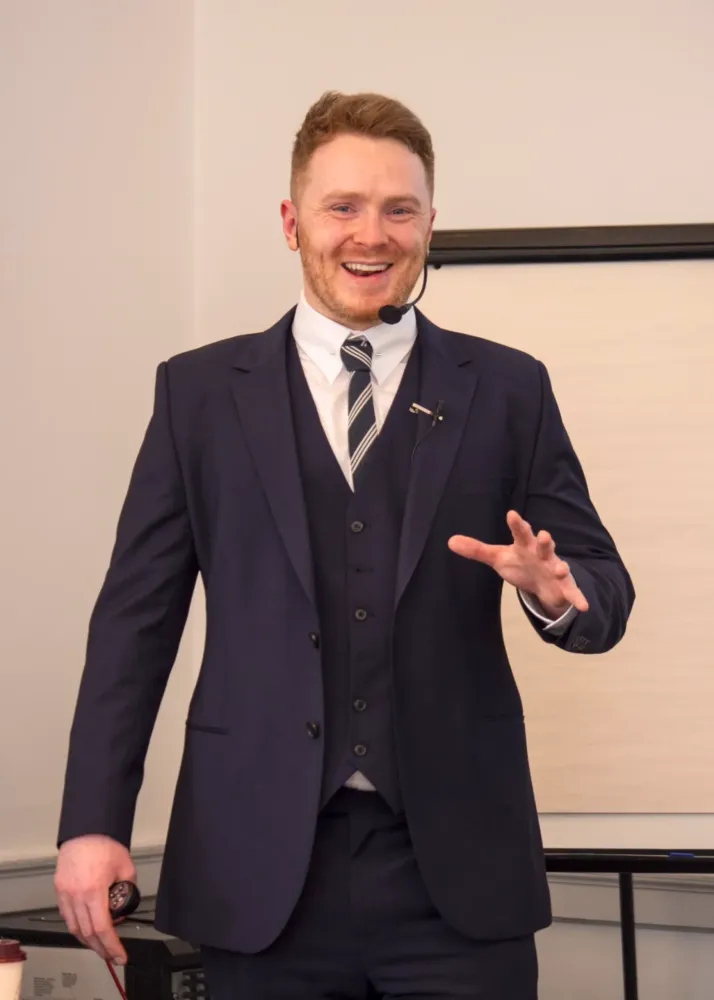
pixel 542 114
pixel 95 289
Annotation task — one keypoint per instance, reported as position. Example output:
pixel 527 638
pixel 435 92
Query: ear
pixel 431 226
pixel 288 213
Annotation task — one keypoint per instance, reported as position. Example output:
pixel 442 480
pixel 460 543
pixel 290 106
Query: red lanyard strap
pixel 124 897
pixel 119 986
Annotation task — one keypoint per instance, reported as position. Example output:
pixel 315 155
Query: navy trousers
pixel 365 927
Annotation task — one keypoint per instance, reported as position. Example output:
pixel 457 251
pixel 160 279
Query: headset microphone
pixel 392 314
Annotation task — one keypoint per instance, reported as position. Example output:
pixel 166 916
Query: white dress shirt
pixel 318 340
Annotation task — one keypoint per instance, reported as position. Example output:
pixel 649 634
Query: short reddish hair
pixel 359 114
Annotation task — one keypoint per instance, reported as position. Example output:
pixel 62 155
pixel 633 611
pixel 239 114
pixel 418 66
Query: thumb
pixel 471 548
pixel 125 869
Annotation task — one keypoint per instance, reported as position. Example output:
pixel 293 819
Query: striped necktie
pixel 356 356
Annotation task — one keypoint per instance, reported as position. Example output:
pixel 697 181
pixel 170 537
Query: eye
pixel 401 211
pixel 342 209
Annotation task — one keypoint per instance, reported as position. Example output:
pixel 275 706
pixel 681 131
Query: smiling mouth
pixel 365 270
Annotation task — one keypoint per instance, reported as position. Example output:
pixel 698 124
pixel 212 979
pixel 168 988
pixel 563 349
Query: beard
pixel 322 275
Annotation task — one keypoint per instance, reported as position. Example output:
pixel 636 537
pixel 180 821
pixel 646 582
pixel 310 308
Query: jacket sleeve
pixel 134 632
pixel 558 501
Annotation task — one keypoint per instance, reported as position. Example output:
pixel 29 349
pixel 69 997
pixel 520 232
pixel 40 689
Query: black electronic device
pixel 124 898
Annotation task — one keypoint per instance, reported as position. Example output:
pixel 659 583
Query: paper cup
pixel 11 964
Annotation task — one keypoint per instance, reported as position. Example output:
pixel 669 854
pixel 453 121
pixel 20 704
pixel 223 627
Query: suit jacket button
pixel 356 527
pixel 360 614
pixel 314 638
pixel 360 750
pixel 313 729
pixel 359 704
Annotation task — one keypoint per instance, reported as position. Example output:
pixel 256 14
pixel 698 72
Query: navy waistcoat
pixel 354 540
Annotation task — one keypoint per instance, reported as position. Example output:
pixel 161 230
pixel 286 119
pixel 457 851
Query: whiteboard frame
pixel 572 244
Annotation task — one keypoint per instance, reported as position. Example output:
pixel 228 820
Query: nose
pixel 370 230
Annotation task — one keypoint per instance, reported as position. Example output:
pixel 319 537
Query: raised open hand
pixel 530 563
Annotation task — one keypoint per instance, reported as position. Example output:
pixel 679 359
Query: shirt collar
pixel 321 338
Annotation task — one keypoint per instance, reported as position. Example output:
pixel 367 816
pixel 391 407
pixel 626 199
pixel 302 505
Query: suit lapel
pixel 447 376
pixel 261 393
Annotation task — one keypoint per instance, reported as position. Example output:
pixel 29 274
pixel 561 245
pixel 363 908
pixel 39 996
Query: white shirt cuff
pixel 556 627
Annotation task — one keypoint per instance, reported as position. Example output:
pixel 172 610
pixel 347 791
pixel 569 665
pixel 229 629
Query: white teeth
pixel 366 268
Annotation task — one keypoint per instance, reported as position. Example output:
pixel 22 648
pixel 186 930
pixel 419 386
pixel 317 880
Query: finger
pixel 561 570
pixel 545 546
pixel 574 595
pixel 64 902
pixel 579 601
pixel 471 548
pixel 104 932
pixel 520 529
pixel 69 915
pixel 86 929
pixel 127 874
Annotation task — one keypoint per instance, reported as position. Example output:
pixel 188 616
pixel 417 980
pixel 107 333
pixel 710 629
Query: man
pixel 354 807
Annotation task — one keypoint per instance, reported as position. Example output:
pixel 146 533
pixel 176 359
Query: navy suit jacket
pixel 216 489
